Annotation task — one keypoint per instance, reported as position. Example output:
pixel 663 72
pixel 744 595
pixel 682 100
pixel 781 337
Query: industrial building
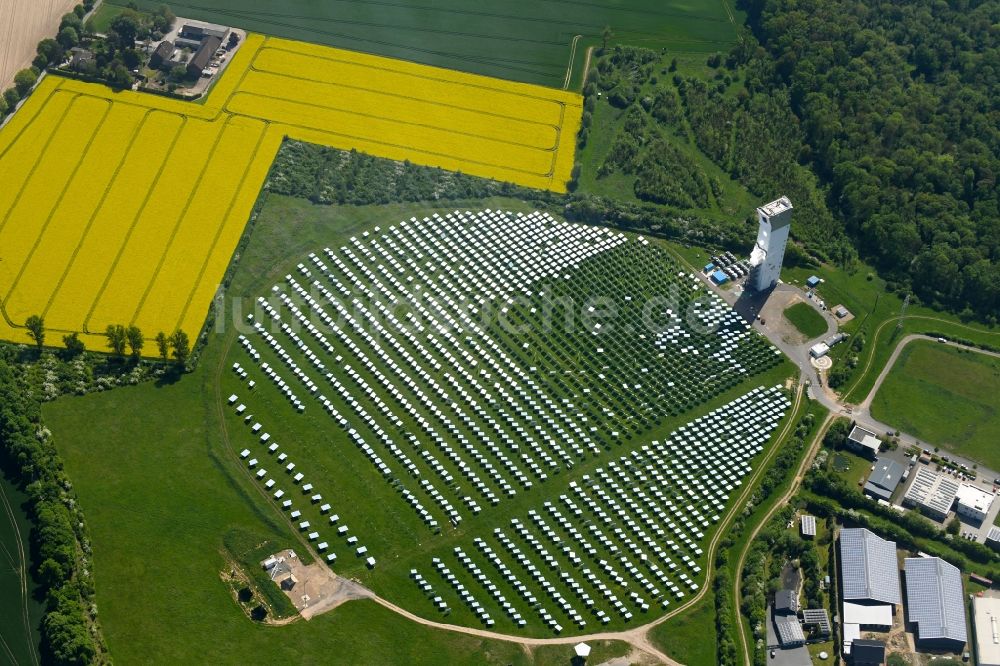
pixel 883 480
pixel 868 653
pixel 934 603
pixel 818 618
pixel 789 631
pixel 868 568
pixel 993 537
pixel 933 494
pixel 973 503
pixel 786 602
pixel 863 441
pixel 986 624
pixel 869 583
pixel 768 252
pixel 819 350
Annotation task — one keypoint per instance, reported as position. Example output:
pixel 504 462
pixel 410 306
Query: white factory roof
pixel 880 615
pixel 852 632
pixel 974 497
pixel 986 615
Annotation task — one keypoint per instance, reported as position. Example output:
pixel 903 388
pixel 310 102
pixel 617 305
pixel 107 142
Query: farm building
pixel 161 54
pixel 79 57
pixel 883 479
pixel 199 31
pixel 932 493
pixel 863 441
pixel 203 56
pixel 972 502
pixel 986 623
pixel 934 603
pixel 868 653
pixel 868 568
pixel 807 526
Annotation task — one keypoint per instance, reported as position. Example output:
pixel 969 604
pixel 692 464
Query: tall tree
pixel 74 345
pixel 606 36
pixel 36 329
pixel 135 340
pixel 163 345
pixel 23 81
pixel 117 338
pixel 181 346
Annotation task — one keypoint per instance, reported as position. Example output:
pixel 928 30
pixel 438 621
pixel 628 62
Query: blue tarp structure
pixel 720 277
pixel 812 281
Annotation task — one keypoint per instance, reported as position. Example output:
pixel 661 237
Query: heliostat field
pixel 125 208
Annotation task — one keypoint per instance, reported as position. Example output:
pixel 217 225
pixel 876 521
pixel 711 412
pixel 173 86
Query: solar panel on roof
pixel 869 567
pixel 934 599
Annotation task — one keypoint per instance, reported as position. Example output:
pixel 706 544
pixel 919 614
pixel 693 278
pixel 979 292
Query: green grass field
pixel 162 488
pixel 946 397
pixel 20 612
pixel 806 320
pixel 523 40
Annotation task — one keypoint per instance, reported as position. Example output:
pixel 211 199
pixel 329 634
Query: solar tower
pixel 769 250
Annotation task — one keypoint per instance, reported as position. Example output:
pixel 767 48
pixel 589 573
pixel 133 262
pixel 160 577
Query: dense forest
pixel 899 107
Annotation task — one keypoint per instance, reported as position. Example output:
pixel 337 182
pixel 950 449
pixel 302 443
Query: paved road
pixel 799 355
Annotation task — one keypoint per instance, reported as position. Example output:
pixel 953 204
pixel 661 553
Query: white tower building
pixel 769 251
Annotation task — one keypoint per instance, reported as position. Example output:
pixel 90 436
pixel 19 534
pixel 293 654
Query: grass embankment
pixel 946 397
pixel 806 320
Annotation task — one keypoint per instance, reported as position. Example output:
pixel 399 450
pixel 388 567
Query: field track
pixel 125 208
pixel 24 23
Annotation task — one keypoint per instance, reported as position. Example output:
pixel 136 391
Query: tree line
pixel 121 340
pixel 60 546
pixel 49 52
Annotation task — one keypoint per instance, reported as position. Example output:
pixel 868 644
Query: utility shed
pixel 807 525
pixel 934 603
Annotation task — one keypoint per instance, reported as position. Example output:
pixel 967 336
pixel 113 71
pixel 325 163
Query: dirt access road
pixel 24 23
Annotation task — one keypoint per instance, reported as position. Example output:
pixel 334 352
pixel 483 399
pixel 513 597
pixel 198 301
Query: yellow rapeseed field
pixel 124 207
